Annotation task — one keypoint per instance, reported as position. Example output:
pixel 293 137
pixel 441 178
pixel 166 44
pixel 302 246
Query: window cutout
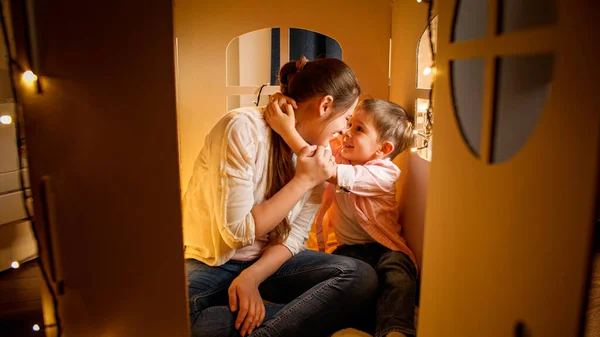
pixel 238 101
pixel 421 106
pixel 468 87
pixel 424 57
pixel 313 45
pixel 518 14
pixel 275 54
pixel 522 88
pixel 471 20
pixel 250 60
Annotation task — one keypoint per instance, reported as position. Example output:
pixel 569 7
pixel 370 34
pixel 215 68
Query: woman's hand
pixel 315 165
pixel 244 297
pixel 284 123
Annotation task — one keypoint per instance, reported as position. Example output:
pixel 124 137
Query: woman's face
pixel 318 128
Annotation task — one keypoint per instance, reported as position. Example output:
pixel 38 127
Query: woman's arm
pixel 243 220
pixel 311 169
pixel 243 292
pixel 269 214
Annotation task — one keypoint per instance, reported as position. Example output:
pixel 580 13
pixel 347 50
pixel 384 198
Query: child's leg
pixel 396 304
pixel 364 318
pixel 368 252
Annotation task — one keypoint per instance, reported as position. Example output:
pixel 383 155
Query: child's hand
pixel 280 117
pixel 281 100
pixel 281 122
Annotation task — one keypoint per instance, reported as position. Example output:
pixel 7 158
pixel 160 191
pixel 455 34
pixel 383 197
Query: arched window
pixel 254 60
pixel 425 74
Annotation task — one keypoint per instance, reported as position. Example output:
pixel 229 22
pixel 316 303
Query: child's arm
pixel 333 180
pixel 368 180
pixel 285 125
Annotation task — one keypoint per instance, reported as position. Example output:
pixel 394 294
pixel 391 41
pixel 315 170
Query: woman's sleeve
pixel 303 222
pixel 237 169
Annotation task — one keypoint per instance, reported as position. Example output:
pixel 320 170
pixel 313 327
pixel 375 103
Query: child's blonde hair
pixel 392 123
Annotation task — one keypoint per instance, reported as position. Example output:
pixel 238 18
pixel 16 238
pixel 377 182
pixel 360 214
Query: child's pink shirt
pixel 371 189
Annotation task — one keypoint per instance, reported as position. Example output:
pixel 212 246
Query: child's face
pixel 360 139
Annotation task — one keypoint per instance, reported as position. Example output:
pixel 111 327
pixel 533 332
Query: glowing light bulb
pixel 15 265
pixel 5 119
pixel 414 149
pixel 427 71
pixel 419 1
pixel 36 327
pixel 415 132
pixel 29 76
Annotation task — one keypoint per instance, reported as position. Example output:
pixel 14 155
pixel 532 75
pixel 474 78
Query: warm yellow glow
pixel 15 265
pixel 427 71
pixel 422 106
pixel 419 1
pixel 36 327
pixel 5 119
pixel 29 76
pixel 414 149
pixel 415 132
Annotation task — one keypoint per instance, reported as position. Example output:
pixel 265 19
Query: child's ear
pixel 385 149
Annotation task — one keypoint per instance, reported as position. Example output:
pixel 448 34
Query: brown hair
pixel 392 123
pixel 302 81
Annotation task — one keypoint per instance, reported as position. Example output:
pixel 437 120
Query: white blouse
pixel 228 180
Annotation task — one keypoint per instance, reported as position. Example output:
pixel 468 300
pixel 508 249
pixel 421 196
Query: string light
pixel 15 265
pixel 428 109
pixel 37 327
pixel 5 119
pixel 29 76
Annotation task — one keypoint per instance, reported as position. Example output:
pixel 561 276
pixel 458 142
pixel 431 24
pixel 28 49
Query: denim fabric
pixel 313 294
pixel 395 299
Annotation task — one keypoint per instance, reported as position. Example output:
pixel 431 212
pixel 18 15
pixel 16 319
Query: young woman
pixel 249 207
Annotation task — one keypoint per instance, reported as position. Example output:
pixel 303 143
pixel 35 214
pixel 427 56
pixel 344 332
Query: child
pixel 361 201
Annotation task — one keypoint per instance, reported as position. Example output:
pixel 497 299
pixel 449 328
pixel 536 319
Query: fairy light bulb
pixel 5 119
pixel 427 71
pixel 15 264
pixel 414 149
pixel 415 132
pixel 36 327
pixel 29 76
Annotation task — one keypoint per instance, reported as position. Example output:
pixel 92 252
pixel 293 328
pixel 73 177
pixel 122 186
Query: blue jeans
pixel 313 294
pixel 394 305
